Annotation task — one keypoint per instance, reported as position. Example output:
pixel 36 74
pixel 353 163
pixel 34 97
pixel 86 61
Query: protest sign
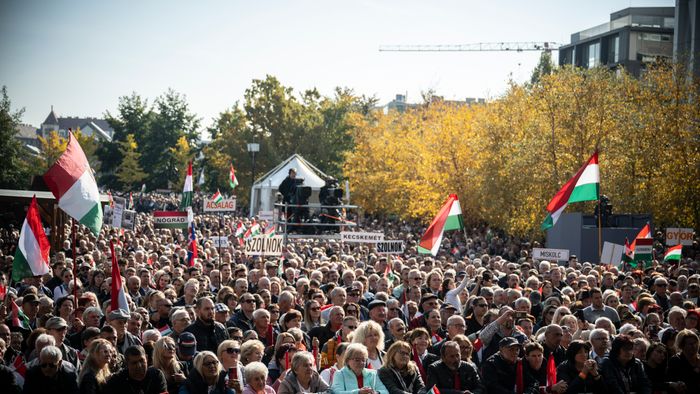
pixel 219 242
pixel 359 237
pixel 550 254
pixel 390 247
pixel 263 245
pixel 170 219
pixel 227 205
pixel 684 236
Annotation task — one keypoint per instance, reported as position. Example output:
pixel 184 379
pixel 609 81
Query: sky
pixel 81 56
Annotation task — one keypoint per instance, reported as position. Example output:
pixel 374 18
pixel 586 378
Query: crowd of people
pixel 326 316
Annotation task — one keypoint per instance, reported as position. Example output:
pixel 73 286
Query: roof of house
pixel 52 118
pixel 26 131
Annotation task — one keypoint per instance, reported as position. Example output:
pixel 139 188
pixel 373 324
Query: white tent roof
pixel 312 176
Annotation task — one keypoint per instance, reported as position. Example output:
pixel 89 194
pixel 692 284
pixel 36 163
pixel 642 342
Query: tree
pixel 544 67
pixel 52 148
pixel 129 173
pixel 15 173
pixel 181 158
pixel 89 146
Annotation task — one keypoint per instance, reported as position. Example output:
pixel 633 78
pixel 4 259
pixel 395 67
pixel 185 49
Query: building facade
pixel 94 127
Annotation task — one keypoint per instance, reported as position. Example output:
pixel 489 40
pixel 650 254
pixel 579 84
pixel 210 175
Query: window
pixel 614 49
pixel 594 55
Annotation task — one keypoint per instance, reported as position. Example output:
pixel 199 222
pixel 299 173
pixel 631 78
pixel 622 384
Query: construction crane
pixel 478 47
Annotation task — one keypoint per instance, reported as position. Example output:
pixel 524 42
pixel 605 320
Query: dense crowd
pixel 326 316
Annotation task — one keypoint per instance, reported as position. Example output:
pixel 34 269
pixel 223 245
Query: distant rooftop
pixel 652 17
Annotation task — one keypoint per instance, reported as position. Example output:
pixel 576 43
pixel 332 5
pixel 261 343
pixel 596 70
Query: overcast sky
pixel 81 56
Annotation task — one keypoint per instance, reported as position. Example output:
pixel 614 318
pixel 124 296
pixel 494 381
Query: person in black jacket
pixel 498 371
pixel 622 373
pixel 207 376
pixel 208 332
pixel 451 375
pixel 399 374
pixel 51 374
pixel 137 377
pixel 579 371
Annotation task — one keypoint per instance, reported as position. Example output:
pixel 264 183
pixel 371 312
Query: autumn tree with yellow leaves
pixel 506 159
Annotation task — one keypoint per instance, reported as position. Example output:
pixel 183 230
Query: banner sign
pixel 219 242
pixel 643 249
pixel 390 247
pixel 170 219
pixel 129 219
pixel 358 237
pixel 550 254
pixel 227 205
pixel 263 245
pixel 118 216
pixel 676 235
pixel 612 253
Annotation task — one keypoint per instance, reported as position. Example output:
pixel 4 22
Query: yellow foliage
pixel 52 148
pixel 181 157
pixel 506 159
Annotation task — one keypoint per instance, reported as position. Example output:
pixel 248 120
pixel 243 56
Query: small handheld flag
pixel 232 180
pixel 448 218
pixel 217 197
pixel 187 189
pixel 674 253
pixel 32 254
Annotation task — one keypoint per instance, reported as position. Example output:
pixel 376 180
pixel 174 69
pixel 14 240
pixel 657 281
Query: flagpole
pixel 600 230
pixel 74 235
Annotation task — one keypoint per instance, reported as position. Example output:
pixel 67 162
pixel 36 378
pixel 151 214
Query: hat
pixel 508 342
pixel 219 307
pixel 461 273
pixel 85 265
pixel 375 303
pixel 428 297
pixel 31 297
pixel 447 305
pixel 118 314
pixel 55 323
pixel 187 344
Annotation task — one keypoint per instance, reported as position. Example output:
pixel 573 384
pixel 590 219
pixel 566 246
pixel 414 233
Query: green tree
pixel 14 173
pixel 133 116
pixel 129 173
pixel 544 67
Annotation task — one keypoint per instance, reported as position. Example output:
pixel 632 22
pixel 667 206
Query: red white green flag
pixel 448 218
pixel 583 186
pixel 187 189
pixel 19 319
pixel 232 181
pixel 217 197
pixel 252 231
pixel 32 255
pixel 71 181
pixel 645 232
pixel 673 253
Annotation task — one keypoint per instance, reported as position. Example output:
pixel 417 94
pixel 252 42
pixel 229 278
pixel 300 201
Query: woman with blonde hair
pixel 252 351
pixel 207 377
pixel 371 335
pixel 399 374
pixel 165 359
pixel 95 368
pixel 229 352
pixel 355 377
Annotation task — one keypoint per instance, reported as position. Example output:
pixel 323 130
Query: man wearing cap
pixel 377 312
pixel 57 328
pixel 30 307
pixel 186 348
pixel 455 326
pixel 209 333
pixel 451 375
pixel 498 371
pixel 221 313
pixel 428 302
pixel 117 319
pixel 660 293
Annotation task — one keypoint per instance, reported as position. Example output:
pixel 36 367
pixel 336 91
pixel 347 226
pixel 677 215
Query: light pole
pixel 253 148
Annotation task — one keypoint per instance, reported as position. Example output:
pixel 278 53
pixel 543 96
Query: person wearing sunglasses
pixel 243 318
pixel 51 374
pixel 208 377
pixel 165 359
pixel 229 352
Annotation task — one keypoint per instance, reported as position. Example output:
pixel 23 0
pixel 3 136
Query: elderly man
pixel 324 333
pixel 499 369
pixel 600 344
pixel 455 326
pixel 50 375
pixel 57 328
pixel 261 324
pixel 551 345
pixel 30 307
pixel 243 318
pixel 502 327
pixel 91 318
pixel 338 297
pixel 181 320
pixel 208 332
pixel 451 375
pixel 397 330
pixel 137 377
pixel 117 319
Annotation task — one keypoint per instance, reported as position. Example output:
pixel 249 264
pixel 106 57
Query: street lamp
pixel 253 148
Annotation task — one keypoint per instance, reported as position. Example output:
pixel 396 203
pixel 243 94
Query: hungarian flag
pixel 19 319
pixel 131 201
pixel 217 197
pixel 192 248
pixel 118 294
pixel 252 231
pixel 232 180
pixel 433 390
pixel 71 181
pixel 240 232
pixel 19 366
pixel 187 189
pixel 673 253
pixel 645 232
pixel 448 218
pixel 583 186
pixel 270 230
pixel 643 250
pixel 32 255
pixel 629 253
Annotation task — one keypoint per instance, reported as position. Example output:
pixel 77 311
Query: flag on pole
pixel 192 248
pixel 118 294
pixel 270 230
pixel 71 181
pixel 674 253
pixel 32 254
pixel 583 186
pixel 131 201
pixel 19 319
pixel 433 390
pixel 252 231
pixel 629 253
pixel 187 189
pixel 643 250
pixel 448 218
pixel 217 197
pixel 201 178
pixel 645 232
pixel 233 181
